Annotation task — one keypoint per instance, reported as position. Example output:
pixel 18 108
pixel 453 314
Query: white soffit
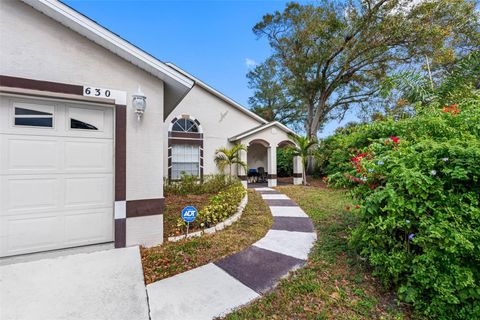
pixel 177 85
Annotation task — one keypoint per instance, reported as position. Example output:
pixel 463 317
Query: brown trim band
pixel 194 135
pixel 120 152
pixel 298 175
pixel 271 176
pixel 186 141
pixel 120 233
pixel 145 207
pixel 15 82
pixel 242 177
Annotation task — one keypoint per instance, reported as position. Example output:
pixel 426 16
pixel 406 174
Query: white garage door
pixel 56 175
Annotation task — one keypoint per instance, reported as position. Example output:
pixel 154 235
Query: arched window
pixel 185 125
pixel 185 143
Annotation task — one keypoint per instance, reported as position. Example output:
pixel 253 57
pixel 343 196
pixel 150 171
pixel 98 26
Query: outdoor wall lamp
pixel 139 103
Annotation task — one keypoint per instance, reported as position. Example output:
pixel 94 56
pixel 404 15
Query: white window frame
pixel 176 174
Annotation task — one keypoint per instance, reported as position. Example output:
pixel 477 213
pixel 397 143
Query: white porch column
pixel 297 170
pixel 272 166
pixel 242 174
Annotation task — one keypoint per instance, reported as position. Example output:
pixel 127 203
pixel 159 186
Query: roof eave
pixel 253 131
pixel 177 84
pixel 218 94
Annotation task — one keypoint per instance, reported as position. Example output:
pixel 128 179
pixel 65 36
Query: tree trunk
pixel 314 125
pixel 304 164
pixel 304 177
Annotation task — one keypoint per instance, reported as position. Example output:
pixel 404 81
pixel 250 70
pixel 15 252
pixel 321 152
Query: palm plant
pixel 229 156
pixel 461 82
pixel 302 149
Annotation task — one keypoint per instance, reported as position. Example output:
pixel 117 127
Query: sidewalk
pixel 217 288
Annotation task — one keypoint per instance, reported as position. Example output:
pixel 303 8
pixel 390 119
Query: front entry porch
pixel 286 181
pixel 261 155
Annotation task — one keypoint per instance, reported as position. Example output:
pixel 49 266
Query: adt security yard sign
pixel 189 214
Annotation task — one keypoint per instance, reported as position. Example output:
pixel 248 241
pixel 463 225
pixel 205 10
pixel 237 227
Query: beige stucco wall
pixel 208 109
pixel 257 156
pixel 37 47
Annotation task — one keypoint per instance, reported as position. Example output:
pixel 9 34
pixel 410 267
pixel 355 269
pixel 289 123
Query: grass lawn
pixel 330 286
pixel 176 257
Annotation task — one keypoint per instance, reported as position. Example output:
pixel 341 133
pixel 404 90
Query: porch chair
pixel 262 175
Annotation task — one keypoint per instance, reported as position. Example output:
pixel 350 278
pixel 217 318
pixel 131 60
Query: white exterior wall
pixel 257 156
pixel 208 109
pixel 42 49
pixel 273 135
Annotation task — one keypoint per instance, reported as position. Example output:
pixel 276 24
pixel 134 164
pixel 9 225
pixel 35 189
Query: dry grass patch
pixel 176 257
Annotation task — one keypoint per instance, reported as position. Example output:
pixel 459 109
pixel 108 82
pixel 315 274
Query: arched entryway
pixel 257 162
pixel 288 165
pixel 262 144
pixel 263 167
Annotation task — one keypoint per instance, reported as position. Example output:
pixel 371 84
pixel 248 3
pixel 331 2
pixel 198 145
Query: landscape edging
pixel 219 226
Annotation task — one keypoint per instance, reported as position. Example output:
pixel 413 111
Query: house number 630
pixel 96 92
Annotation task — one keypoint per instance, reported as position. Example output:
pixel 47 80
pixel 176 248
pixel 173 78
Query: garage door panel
pixel 87 227
pixel 29 194
pixel 56 183
pixel 32 154
pixel 92 190
pixel 89 122
pixel 88 155
pixel 29 233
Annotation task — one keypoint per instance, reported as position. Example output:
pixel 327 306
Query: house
pixel 81 161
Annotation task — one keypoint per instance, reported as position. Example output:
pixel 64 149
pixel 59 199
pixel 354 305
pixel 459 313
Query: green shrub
pixel 192 185
pixel 334 152
pixel 417 183
pixel 285 162
pixel 220 206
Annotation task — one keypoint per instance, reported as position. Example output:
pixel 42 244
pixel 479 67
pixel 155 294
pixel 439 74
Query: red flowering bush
pixel 417 185
pixel 452 109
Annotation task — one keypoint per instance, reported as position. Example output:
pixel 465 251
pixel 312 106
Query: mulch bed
pixel 173 207
pixel 176 257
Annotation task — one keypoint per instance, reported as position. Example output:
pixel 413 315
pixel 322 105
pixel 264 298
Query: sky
pixel 212 40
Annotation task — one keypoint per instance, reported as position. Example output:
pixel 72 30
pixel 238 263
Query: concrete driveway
pixel 100 285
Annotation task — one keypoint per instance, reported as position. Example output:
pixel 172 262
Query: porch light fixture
pixel 139 103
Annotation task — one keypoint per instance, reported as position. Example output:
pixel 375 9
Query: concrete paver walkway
pixel 218 288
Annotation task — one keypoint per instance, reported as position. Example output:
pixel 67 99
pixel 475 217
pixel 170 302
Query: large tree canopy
pixel 333 55
pixel 271 100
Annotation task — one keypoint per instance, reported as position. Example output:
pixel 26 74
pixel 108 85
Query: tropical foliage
pixel 284 162
pixel 303 149
pixel 228 157
pixel 417 185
